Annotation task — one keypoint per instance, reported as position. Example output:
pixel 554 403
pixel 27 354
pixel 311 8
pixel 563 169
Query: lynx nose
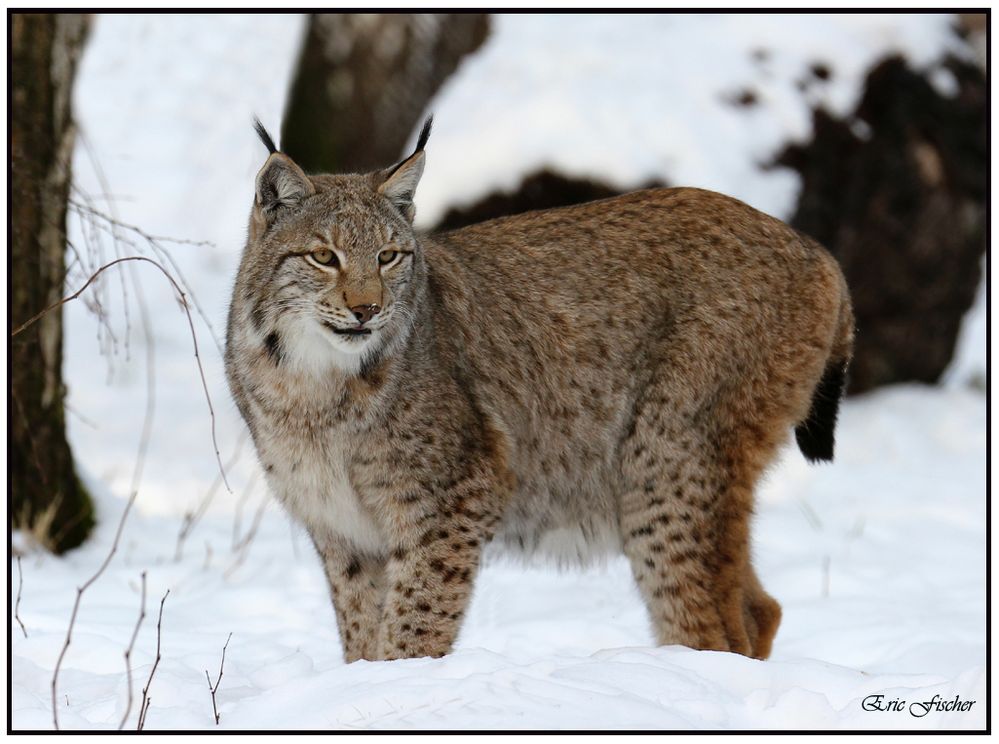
pixel 364 313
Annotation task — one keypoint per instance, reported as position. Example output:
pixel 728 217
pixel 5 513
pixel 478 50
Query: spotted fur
pixel 604 377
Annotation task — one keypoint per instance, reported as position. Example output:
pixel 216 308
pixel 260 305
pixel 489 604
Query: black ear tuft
pixel 264 136
pixel 424 133
pixel 399 182
pixel 421 142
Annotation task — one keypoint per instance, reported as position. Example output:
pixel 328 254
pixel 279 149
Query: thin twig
pixel 243 547
pixel 155 243
pixel 135 228
pixel 147 420
pixel 245 541
pixel 83 419
pixel 811 516
pixel 140 459
pixel 58 303
pixel 144 707
pixel 76 605
pixel 192 518
pixel 97 299
pixel 163 253
pixel 17 604
pixel 237 519
pixel 214 689
pixel 128 651
pixel 190 321
pixel 115 240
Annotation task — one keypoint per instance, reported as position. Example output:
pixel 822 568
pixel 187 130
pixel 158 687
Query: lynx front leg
pixel 428 593
pixel 357 587
pixel 430 574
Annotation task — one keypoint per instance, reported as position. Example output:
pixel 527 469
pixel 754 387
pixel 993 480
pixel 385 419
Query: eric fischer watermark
pixel 916 709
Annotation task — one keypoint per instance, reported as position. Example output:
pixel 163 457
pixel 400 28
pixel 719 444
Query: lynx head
pixel 332 264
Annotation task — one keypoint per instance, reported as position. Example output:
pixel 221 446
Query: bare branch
pixel 90 212
pixel 58 303
pixel 144 706
pixel 214 689
pixel 237 519
pixel 76 605
pixel 17 604
pixel 147 420
pixel 93 211
pixel 144 440
pixel 242 548
pixel 192 518
pixel 128 651
pixel 194 337
pixel 215 710
pixel 118 254
pixel 86 421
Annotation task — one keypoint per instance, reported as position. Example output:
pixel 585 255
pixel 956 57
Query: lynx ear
pixel 281 184
pixel 399 183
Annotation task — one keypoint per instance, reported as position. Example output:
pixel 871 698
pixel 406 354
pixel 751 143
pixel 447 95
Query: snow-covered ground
pixel 878 560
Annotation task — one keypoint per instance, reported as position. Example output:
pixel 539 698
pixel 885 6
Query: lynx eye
pixel 325 257
pixel 387 257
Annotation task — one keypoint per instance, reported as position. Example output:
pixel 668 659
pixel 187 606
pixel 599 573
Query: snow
pixel 970 363
pixel 629 98
pixel 878 560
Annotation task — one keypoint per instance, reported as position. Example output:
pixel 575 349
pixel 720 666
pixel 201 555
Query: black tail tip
pixel 264 135
pixel 816 434
pixel 814 449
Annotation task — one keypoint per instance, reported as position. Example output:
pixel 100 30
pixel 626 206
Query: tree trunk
pixel 364 79
pixel 897 192
pixel 46 497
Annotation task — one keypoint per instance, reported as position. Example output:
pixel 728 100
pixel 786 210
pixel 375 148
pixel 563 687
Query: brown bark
pixel 363 81
pixel 45 495
pixel 897 192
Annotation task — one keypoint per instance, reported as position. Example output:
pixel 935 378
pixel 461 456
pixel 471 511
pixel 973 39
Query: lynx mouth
pixel 348 331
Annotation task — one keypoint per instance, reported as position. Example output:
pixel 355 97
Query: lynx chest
pixel 307 469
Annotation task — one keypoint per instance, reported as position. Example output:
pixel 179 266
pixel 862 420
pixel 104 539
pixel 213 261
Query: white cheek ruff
pixel 310 347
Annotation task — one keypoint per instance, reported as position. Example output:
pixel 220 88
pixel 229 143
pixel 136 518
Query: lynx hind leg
pixel 685 528
pixel 357 587
pixel 762 615
pixel 667 533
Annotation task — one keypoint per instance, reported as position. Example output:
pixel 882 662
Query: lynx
pixel 611 376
